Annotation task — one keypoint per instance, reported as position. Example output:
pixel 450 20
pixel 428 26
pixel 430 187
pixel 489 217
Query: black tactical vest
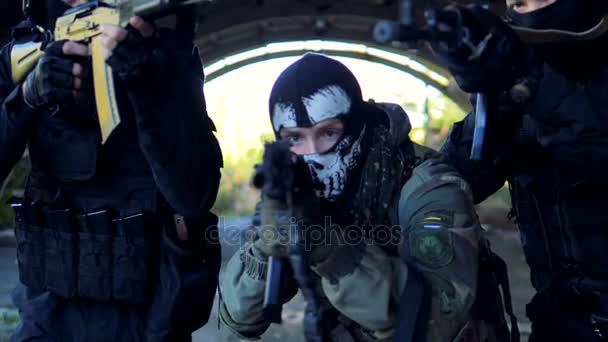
pixel 559 185
pixel 88 226
pixel 70 165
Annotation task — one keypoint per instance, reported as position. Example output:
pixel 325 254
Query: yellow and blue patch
pixel 431 242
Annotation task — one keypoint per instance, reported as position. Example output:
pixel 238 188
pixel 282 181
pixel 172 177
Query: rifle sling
pixel 414 310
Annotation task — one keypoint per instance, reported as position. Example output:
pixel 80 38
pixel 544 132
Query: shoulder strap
pixel 500 268
pixel 414 309
pixel 494 294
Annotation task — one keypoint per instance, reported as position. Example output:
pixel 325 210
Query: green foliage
pixel 237 197
pixel 441 113
pixel 9 320
pixel 16 179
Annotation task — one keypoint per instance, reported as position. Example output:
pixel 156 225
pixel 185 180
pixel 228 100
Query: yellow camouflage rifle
pixel 83 24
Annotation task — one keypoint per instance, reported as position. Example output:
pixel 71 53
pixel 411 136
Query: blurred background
pixel 245 44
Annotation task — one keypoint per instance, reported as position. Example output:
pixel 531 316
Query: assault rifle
pixel 279 177
pixel 83 24
pixel 441 26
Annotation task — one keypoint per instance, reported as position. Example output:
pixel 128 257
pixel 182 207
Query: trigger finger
pixel 72 48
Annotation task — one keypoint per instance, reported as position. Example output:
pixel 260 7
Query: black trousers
pixel 553 321
pixel 48 318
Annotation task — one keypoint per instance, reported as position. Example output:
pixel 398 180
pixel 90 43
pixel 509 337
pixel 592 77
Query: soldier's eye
pixel 331 133
pixel 516 4
pixel 294 139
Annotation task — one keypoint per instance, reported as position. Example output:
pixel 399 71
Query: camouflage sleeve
pixel 367 294
pixel 441 237
pixel 242 293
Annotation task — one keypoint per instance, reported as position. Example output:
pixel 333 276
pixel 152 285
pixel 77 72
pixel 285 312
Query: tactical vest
pixel 88 225
pixel 559 192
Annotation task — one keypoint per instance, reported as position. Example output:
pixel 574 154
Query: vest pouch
pixel 131 260
pixel 66 150
pixel 30 246
pixel 95 256
pixel 60 253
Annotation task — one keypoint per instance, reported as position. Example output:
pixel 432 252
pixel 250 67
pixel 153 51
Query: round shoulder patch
pixel 431 245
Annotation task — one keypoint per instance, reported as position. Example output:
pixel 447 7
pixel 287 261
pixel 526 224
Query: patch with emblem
pixel 431 245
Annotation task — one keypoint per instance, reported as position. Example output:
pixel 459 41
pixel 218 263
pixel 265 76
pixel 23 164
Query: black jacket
pixel 553 151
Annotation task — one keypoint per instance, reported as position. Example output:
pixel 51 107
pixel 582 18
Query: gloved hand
pixel 490 57
pixel 57 78
pixel 276 229
pixel 279 227
pixel 130 52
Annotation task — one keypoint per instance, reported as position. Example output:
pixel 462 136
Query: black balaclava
pixel 565 15
pixel 317 88
pixel 574 58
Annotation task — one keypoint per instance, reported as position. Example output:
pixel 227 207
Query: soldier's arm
pixel 485 177
pixel 16 118
pixel 441 237
pixel 175 133
pixel 242 291
pixel 364 284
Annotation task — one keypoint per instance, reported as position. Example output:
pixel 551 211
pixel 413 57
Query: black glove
pixel 489 57
pixel 137 56
pixel 51 82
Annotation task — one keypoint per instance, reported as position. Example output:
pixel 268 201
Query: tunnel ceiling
pixel 227 27
pixel 230 26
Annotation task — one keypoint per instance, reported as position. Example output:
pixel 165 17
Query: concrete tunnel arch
pixel 240 32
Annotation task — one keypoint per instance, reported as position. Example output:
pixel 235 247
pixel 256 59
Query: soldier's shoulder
pixel 423 153
pixel 432 170
pixel 429 163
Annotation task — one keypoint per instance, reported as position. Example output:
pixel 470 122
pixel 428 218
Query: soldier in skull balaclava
pixel 387 208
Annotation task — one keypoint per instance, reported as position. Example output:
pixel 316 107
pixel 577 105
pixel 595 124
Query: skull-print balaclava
pixel 313 89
